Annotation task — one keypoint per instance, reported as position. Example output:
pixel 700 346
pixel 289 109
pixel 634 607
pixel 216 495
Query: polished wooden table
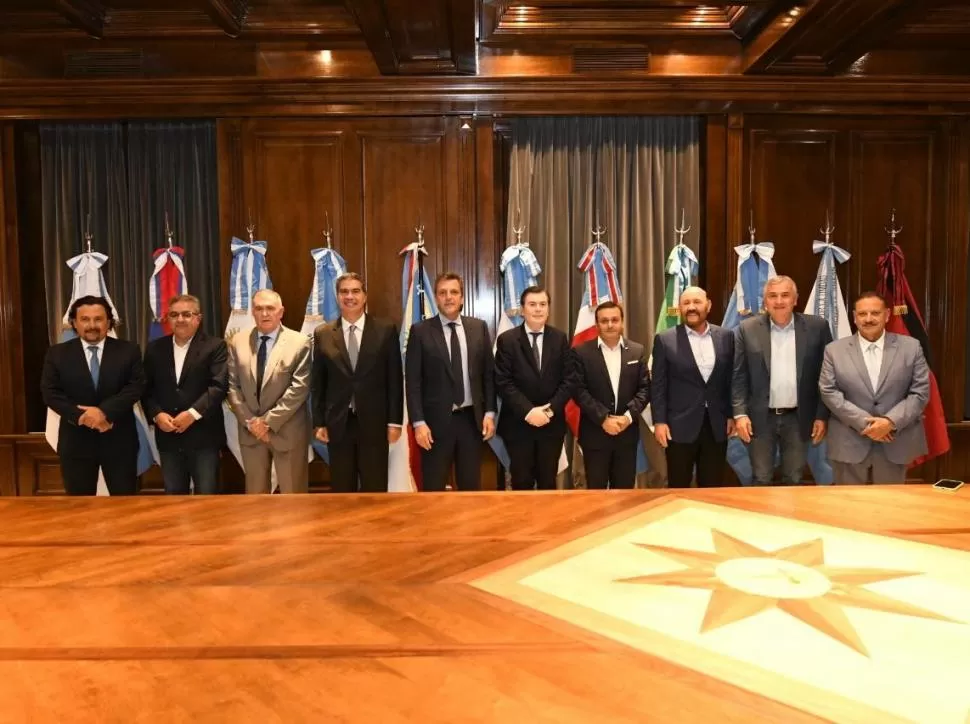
pixel 420 607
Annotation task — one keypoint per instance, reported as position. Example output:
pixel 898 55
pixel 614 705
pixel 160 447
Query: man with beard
pixel 531 377
pixel 357 391
pixel 93 382
pixel 611 387
pixel 450 389
pixel 690 394
pixel 186 382
pixel 876 384
pixel 774 390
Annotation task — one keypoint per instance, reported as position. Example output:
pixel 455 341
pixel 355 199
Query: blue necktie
pixel 261 364
pixel 95 365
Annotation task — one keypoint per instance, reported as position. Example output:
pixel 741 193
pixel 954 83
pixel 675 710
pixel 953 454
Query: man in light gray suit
pixel 774 388
pixel 876 384
pixel 269 382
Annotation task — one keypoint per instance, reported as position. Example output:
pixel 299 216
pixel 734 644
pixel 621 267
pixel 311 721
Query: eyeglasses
pixel 182 315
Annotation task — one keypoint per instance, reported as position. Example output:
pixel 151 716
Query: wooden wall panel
pixel 8 467
pixel 12 403
pixel 38 468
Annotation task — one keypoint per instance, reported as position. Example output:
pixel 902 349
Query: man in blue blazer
pixel 690 394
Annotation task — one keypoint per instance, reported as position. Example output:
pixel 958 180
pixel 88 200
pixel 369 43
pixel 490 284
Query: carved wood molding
pixel 457 95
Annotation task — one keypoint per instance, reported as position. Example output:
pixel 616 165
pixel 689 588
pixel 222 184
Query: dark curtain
pixel 124 177
pixel 172 168
pixel 83 177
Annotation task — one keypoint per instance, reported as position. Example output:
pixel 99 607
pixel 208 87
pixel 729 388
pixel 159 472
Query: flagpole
pixel 419 253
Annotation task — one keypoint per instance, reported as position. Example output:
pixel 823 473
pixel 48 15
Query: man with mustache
pixel 186 381
pixel 690 394
pixel 774 390
pixel 876 384
pixel 93 382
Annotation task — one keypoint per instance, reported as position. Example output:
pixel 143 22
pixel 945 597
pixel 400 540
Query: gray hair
pixel 778 280
pixel 186 299
pixel 269 293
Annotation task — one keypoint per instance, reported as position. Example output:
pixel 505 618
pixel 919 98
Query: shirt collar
pixel 602 345
pixel 701 335
pixel 880 343
pixel 182 346
pixel 542 330
pixel 776 328
pixel 99 345
pixel 272 335
pixel 359 324
pixel 445 321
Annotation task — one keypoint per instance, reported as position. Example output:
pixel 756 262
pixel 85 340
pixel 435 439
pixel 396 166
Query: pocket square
pixel 633 362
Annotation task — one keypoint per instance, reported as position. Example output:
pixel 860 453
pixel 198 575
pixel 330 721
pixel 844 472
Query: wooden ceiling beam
pixel 88 15
pixel 373 23
pixel 826 36
pixel 230 15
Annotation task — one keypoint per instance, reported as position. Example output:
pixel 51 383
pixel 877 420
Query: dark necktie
pixel 535 350
pixel 458 384
pixel 261 364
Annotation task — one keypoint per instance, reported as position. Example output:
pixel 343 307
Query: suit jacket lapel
pixel 275 354
pixel 337 330
pixel 368 347
pixel 472 342
pixel 81 350
pixel 860 364
pixel 195 350
pixel 107 363
pixel 889 349
pixel 800 341
pixel 684 349
pixel 764 334
pixel 438 332
pixel 525 340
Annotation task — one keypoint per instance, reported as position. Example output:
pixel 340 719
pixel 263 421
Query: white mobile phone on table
pixel 948 485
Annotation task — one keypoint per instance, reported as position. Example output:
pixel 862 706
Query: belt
pixel 782 410
pixel 466 408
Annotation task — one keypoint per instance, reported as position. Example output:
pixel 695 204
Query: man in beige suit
pixel 269 382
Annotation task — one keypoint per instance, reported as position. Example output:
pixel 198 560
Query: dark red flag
pixel 906 319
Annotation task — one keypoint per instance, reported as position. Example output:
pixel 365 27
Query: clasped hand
pixel 615 424
pixel 180 423
pixel 94 418
pixel 879 429
pixel 259 429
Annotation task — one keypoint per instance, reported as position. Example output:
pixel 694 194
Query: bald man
pixel 690 394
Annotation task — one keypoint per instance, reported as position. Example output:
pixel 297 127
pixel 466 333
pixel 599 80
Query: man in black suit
pixel 777 365
pixel 531 377
pixel 611 387
pixel 187 380
pixel 450 389
pixel 690 394
pixel 93 382
pixel 357 391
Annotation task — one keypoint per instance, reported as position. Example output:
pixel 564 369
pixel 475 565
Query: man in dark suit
pixel 777 364
pixel 186 381
pixel 531 376
pixel 357 391
pixel 690 389
pixel 93 382
pixel 611 387
pixel 450 389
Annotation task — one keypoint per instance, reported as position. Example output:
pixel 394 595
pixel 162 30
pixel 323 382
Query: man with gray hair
pixel 269 382
pixel 774 389
pixel 186 381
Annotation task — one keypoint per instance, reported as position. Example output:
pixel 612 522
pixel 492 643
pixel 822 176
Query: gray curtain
pixel 631 176
pixel 124 177
pixel 83 176
pixel 172 168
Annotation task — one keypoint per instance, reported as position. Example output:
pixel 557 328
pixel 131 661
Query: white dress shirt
pixel 702 346
pixel 872 354
pixel 358 331
pixel 180 352
pixel 463 346
pixel 783 386
pixel 614 366
pixel 87 354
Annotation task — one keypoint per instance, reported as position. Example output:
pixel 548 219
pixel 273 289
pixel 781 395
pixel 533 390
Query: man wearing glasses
pixel 187 381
